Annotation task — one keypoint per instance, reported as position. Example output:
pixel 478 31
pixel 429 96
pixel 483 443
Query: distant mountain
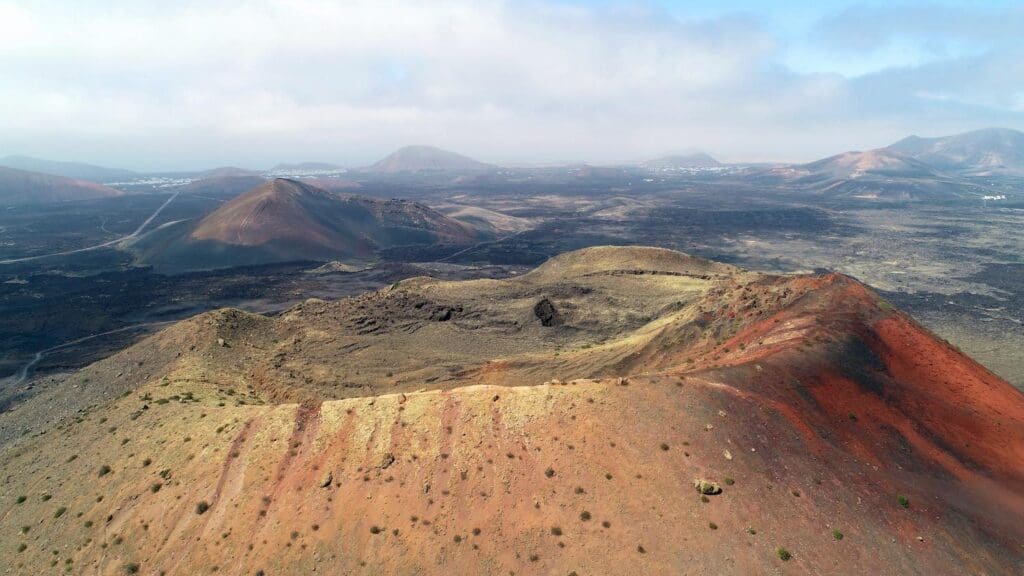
pixel 19 187
pixel 227 171
pixel 987 151
pixel 304 166
pixel 286 220
pixel 427 159
pixel 75 170
pixel 681 162
pixel 877 175
pixel 873 162
pixel 223 187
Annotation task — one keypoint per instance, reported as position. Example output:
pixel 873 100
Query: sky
pixel 187 85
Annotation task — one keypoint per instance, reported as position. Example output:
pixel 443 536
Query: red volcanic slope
pixel 812 401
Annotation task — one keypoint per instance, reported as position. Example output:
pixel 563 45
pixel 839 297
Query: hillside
pixel 879 175
pixel 414 159
pixel 73 170
pixel 19 187
pixel 287 220
pixel 982 152
pixel 615 411
pixel 872 162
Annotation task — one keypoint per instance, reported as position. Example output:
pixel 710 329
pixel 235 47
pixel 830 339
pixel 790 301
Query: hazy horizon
pixel 150 87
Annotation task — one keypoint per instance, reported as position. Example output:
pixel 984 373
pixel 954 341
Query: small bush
pixel 549 472
pixel 155 487
pixel 60 512
pixel 729 481
pixel 22 547
pixel 131 568
pixel 712 525
pixel 374 529
pixel 585 516
pixel 784 554
pixel 903 501
pixel 664 446
pixel 556 531
pixel 202 507
pixel 104 470
pixel 837 534
pixel 21 499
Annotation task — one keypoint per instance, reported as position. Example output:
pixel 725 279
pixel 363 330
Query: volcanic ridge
pixel 614 411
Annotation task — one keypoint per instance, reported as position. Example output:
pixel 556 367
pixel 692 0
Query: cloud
pixel 168 85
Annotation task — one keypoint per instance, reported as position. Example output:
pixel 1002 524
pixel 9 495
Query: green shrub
pixel 903 501
pixel 104 470
pixel 202 507
pixel 837 534
pixel 784 554
pixel 60 512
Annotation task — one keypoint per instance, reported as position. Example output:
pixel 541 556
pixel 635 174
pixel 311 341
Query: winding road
pixel 98 246
pixel 26 370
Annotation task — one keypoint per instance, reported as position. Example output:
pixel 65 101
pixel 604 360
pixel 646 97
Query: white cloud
pixel 168 86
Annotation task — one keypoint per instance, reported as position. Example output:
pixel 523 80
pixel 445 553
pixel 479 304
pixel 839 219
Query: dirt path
pixel 98 246
pixel 26 370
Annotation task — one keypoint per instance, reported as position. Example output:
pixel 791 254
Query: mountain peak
pixel 285 220
pixel 682 161
pixel 985 151
pixel 427 159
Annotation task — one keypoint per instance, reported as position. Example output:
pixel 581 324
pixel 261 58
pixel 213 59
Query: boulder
pixel 546 312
